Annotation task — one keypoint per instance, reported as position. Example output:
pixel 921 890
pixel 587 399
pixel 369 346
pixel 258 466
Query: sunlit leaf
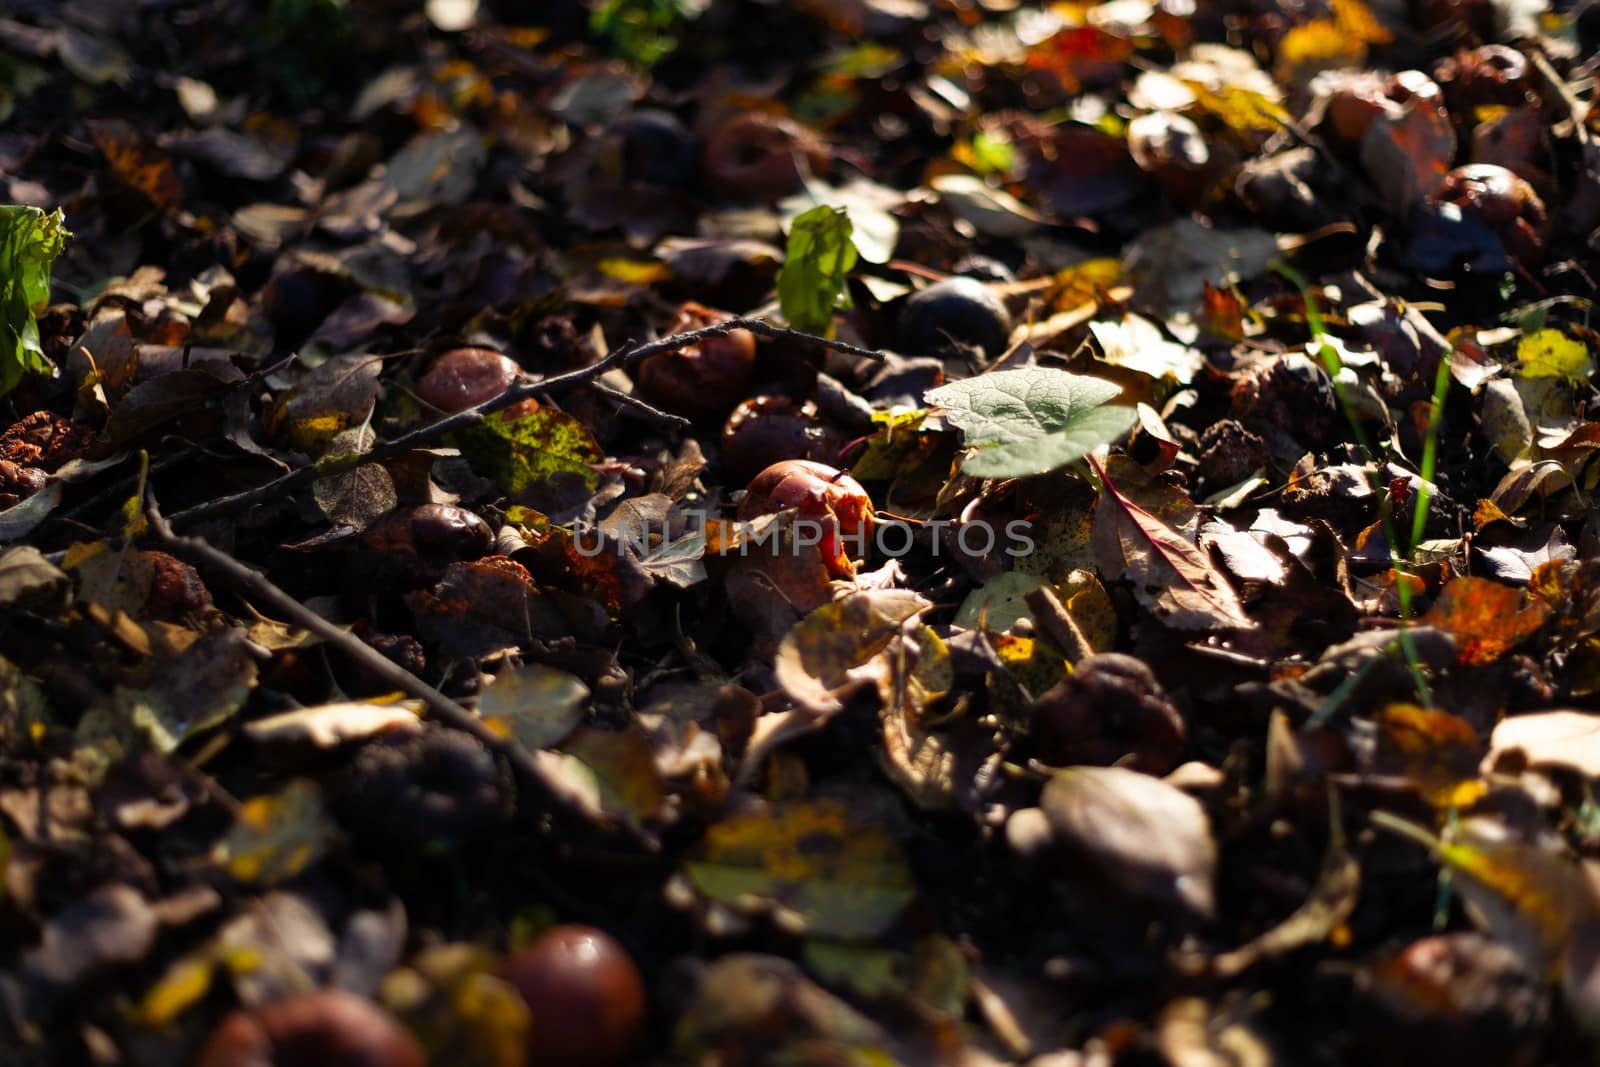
pixel 532 447
pixel 1028 667
pixel 999 601
pixel 1030 421
pixel 869 208
pixel 334 397
pixel 534 704
pixel 1320 44
pixel 179 988
pixel 1138 344
pixel 991 211
pixel 30 241
pixel 202 687
pixel 816 263
pixel 1438 752
pixel 1525 895
pixel 1169 574
pixel 1487 619
pixel 1149 837
pixel 821 661
pixel 328 726
pixel 1552 354
pixel 622 766
pixel 1356 19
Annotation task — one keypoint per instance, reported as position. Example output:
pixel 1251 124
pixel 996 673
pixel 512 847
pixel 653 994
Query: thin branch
pixel 433 431
pixel 646 411
pixel 1059 626
pixel 258 587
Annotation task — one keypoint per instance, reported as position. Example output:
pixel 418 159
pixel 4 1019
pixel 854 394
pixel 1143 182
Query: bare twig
pixel 258 587
pixel 1062 630
pixel 646 411
pixel 1558 95
pixel 461 420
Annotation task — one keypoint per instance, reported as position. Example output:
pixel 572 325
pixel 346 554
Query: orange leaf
pixel 1437 751
pixel 1487 619
pixel 137 164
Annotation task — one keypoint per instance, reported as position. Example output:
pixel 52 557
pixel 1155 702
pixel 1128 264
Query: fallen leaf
pixel 820 663
pixel 1552 354
pixel 823 870
pixel 111 926
pixel 1138 344
pixel 1525 895
pixel 1030 421
pixel 1568 739
pixel 1487 619
pixel 1171 577
pixel 533 704
pixel 1436 751
pixel 1150 838
pixel 331 725
pixel 276 836
pixel 1332 901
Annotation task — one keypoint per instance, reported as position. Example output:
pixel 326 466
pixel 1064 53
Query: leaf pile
pixel 1156 452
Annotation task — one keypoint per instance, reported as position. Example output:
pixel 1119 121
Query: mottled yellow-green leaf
pixel 531 448
pixel 891 447
pixel 1029 667
pixel 276 836
pixel 822 868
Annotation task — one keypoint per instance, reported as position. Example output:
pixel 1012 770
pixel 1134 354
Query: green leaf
pixel 1030 421
pixel 1552 354
pixel 536 446
pixel 819 257
pixel 999 601
pixel 30 241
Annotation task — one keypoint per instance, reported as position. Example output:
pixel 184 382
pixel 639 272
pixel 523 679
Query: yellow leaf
pixel 1357 20
pixel 185 983
pixel 1320 45
pixel 1524 895
pixel 634 271
pixel 1241 110
pixel 1437 751
pixel 1552 354
pixel 1084 283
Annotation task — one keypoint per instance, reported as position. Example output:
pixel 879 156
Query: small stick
pixel 646 411
pixel 1052 617
pixel 461 420
pixel 258 587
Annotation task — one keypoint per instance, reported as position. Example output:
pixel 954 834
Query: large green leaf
pixel 819 257
pixel 530 448
pixel 1030 421
pixel 30 241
